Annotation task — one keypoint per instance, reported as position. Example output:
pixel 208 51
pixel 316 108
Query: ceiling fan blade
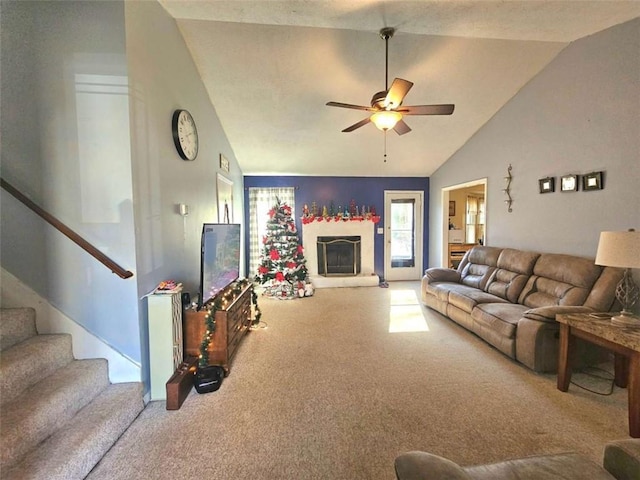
pixel 395 95
pixel 361 123
pixel 401 127
pixel 348 105
pixel 446 109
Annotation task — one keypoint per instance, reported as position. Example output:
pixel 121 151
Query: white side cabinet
pixel 165 339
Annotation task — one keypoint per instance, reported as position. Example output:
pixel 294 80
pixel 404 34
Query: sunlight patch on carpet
pixel 405 313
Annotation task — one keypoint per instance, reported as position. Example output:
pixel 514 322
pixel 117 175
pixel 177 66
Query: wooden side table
pixel 624 342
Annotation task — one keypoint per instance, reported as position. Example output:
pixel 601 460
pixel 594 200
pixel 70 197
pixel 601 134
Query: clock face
pixel 185 135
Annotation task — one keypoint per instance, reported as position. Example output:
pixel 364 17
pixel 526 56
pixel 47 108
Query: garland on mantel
pixel 339 218
pixel 221 302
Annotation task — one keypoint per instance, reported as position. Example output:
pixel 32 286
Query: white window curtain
pixel 472 218
pixel 261 200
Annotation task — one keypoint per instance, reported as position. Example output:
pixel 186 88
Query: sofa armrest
pixel 548 314
pixel 426 466
pixel 442 275
pixel 622 458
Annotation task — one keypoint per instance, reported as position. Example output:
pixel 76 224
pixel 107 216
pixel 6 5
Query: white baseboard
pixel 15 294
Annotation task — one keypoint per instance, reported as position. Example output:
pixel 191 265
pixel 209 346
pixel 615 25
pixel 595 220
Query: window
pixel 261 200
pixel 474 219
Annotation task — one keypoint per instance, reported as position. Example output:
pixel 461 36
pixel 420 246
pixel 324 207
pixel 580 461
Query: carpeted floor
pixel 327 392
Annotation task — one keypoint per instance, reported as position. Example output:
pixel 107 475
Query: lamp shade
pixel 619 249
pixel 386 119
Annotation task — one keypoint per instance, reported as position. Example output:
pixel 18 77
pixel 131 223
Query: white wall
pixel 65 115
pixel 104 164
pixel 164 78
pixel 580 114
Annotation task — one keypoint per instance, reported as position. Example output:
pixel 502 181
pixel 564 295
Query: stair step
pixel 26 363
pixel 43 408
pixel 78 446
pixel 16 325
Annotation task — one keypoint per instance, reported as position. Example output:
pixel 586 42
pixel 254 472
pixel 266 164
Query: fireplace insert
pixel 339 256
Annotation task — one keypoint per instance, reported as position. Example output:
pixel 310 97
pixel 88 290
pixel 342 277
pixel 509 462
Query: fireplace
pixel 338 255
pixel 365 276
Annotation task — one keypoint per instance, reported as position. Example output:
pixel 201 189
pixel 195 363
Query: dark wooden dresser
pixel 232 324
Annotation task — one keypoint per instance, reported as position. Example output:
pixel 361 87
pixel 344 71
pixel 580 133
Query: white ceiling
pixel 270 67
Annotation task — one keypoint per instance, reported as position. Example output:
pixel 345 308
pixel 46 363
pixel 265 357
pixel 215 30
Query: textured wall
pixel 105 163
pixel 580 114
pixel 340 190
pixel 65 131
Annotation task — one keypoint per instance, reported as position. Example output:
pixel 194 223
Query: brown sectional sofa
pixel 621 462
pixel 510 298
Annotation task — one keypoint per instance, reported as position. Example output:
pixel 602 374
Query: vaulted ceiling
pixel 270 67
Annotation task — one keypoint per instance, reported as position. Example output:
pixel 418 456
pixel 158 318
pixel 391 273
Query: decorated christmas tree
pixel 282 264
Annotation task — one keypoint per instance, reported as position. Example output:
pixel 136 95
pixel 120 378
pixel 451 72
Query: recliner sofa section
pixel 510 298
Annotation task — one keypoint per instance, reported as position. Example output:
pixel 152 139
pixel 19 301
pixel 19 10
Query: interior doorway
pixel 464 219
pixel 403 213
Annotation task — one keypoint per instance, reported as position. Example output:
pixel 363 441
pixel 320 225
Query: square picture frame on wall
pixel 547 184
pixel 569 183
pixel 592 181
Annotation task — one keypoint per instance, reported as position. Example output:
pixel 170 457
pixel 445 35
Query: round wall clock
pixel 185 134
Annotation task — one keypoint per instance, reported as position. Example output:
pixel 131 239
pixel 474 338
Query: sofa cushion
pixel 602 297
pixel 514 268
pixel 499 317
pixel 479 264
pixel 566 466
pixel 467 298
pixel 422 465
pixel 440 290
pixel 622 458
pixel 548 314
pixel 559 280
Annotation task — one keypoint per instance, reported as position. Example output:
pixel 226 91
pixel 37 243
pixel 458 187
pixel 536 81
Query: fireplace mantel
pixel 365 230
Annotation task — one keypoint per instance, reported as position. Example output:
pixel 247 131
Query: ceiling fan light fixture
pixel 386 119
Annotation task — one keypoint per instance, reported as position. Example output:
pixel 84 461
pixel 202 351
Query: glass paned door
pixel 403 235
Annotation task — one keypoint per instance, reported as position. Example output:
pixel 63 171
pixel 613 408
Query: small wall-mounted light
pixel 183 209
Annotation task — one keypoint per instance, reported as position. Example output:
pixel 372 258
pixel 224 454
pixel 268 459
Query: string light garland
pixel 222 302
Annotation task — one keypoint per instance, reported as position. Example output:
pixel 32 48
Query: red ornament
pixel 292 265
pixel 274 255
pixel 300 249
pixel 272 212
pixel 279 277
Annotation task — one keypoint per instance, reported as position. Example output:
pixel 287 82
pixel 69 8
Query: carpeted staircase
pixel 58 415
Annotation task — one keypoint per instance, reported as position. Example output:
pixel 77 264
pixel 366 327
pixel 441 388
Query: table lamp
pixel 622 249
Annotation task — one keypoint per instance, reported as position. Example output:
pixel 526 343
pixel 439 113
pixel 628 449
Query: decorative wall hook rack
pixel 507 189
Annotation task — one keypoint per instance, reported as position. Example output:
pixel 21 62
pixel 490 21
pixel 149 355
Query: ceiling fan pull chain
pixel 385 146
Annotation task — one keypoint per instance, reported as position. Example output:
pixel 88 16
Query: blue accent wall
pixel 367 191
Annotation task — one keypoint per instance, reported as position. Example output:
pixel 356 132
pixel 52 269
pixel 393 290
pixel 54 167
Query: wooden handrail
pixel 86 246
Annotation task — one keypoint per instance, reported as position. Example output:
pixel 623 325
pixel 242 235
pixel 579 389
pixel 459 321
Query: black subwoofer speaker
pixel 208 379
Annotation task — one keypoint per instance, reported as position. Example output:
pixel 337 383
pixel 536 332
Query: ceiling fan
pixel 386 106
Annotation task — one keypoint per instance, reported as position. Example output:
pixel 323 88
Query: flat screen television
pixel 219 259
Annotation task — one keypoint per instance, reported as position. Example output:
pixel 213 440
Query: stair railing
pixel 62 228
